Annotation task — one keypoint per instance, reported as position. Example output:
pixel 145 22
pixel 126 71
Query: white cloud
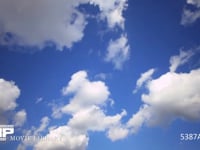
pixel 83 121
pixel 112 11
pixel 8 95
pixel 86 93
pixel 38 100
pixel 87 110
pixel 171 96
pixel 144 77
pixel 88 98
pixel 36 22
pixel 190 16
pixel 182 101
pixel 117 133
pixel 20 118
pixel 138 119
pixel 118 51
pixel 178 60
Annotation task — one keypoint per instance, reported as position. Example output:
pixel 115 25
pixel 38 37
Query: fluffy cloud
pixel 89 98
pixel 144 77
pixel 190 16
pixel 37 23
pixel 8 96
pixel 83 121
pixel 118 51
pixel 20 118
pixel 138 119
pixel 170 96
pixel 117 133
pixel 9 93
pixel 87 110
pixel 86 93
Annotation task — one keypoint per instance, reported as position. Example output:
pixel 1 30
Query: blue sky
pixel 100 75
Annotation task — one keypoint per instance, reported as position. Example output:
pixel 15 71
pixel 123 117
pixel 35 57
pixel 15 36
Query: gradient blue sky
pixel 134 64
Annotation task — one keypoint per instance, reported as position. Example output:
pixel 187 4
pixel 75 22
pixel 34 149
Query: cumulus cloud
pixel 170 96
pixel 20 118
pixel 87 110
pixel 190 16
pixel 9 93
pixel 118 52
pixel 38 23
pixel 8 96
pixel 86 93
pixel 89 97
pixel 144 77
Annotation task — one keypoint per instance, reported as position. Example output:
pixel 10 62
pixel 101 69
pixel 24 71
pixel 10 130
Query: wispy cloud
pixel 118 52
pixel 190 16
pixel 144 77
pixel 181 59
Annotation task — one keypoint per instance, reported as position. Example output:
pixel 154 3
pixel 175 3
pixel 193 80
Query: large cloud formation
pixel 37 23
pixel 87 110
pixel 88 101
pixel 172 95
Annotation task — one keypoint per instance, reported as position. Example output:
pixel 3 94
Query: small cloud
pixel 118 52
pixel 178 60
pixel 144 77
pixel 40 99
pixel 102 76
pixel 20 118
pixel 190 16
